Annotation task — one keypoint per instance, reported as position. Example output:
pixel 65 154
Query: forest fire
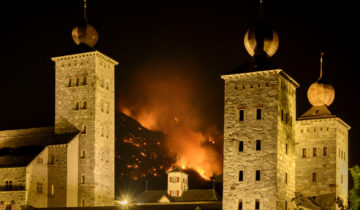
pixel 169 105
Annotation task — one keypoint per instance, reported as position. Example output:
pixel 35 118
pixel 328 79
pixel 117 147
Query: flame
pixel 168 102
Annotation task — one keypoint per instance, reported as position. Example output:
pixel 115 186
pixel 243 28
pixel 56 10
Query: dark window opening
pixel 241 115
pixel 77 106
pixel 257 175
pixel 77 81
pixel 84 105
pixel 304 152
pixel 286 148
pixel 84 81
pixel 240 207
pixel 241 146
pixel 282 115
pixel 257 204
pixel 325 151
pixel 69 83
pixel 314 152
pixel 258 114
pixel 258 144
pixel 286 178
pixel 314 177
pixel 241 176
pixel 84 130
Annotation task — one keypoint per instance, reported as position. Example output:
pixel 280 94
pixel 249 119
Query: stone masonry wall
pixel 17 176
pixel 248 92
pixel 57 175
pixel 37 180
pixel 321 134
pixel 105 133
pixel 88 78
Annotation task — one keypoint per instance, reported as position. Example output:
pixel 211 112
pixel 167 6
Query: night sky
pixel 196 41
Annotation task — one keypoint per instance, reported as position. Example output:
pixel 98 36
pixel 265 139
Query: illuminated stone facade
pixel 75 163
pixel 84 101
pixel 322 159
pixel 263 144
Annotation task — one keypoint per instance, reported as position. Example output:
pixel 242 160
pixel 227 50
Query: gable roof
pixel 19 147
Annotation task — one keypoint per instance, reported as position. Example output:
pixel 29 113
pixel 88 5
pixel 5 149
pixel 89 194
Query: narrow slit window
pixel 325 151
pixel 282 115
pixel 257 204
pixel 314 152
pixel 77 106
pixel 241 115
pixel 286 148
pixel 241 176
pixel 84 105
pixel 84 81
pixel 84 130
pixel 258 114
pixel 241 146
pixel 69 82
pixel 258 144
pixel 240 207
pixel 77 82
pixel 303 152
pixel 314 177
pixel 286 178
pixel 257 175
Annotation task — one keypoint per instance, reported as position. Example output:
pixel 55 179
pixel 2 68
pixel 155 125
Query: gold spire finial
pixel 85 11
pixel 321 64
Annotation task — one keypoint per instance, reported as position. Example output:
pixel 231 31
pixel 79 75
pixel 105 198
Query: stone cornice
pixel 260 73
pixel 319 120
pixel 86 54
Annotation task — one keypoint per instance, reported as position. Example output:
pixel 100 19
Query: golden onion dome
pixel 85 33
pixel 320 93
pixel 261 39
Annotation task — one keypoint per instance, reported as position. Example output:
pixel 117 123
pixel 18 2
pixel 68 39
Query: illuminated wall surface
pixel 263 146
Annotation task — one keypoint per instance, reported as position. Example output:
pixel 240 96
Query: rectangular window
pixel 69 82
pixel 77 106
pixel 286 148
pixel 258 114
pixel 82 181
pixel 240 207
pixel 51 160
pixel 241 176
pixel 325 151
pixel 84 130
pixel 241 115
pixel 257 175
pixel 8 185
pixel 170 193
pixel 342 179
pixel 257 204
pixel 314 177
pixel 286 178
pixel 84 81
pixel 177 193
pixel 258 144
pixel 303 152
pixel 314 152
pixel 286 205
pixel 241 146
pixel 39 188
pixel 82 155
pixel 282 115
pixel 52 190
pixel 84 105
pixel 77 81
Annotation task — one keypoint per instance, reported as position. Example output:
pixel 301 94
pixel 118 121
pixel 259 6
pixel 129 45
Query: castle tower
pixel 322 149
pixel 177 182
pixel 84 102
pixel 259 137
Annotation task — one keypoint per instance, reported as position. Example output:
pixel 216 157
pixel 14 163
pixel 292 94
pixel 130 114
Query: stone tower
pixel 259 136
pixel 84 102
pixel 322 149
pixel 177 182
